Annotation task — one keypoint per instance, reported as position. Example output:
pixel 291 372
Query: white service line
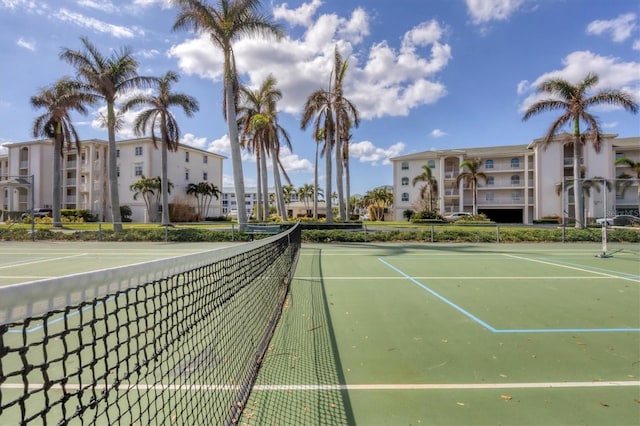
pixel 575 268
pixel 14 265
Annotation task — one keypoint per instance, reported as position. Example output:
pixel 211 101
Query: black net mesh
pixel 180 349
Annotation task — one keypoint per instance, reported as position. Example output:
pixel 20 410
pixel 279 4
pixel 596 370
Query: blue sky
pixel 425 74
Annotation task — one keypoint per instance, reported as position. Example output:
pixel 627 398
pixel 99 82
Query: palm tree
pixel 346 116
pixel 471 177
pixel 627 179
pixel 287 193
pixel 305 193
pixel 376 201
pixel 430 184
pixel 587 185
pixel 572 101
pixel 59 100
pixel 148 188
pixel 159 116
pixel 204 192
pixel 106 78
pixel 319 105
pixel 260 131
pixel 225 23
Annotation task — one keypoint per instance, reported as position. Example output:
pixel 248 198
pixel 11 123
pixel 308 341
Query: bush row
pixel 439 234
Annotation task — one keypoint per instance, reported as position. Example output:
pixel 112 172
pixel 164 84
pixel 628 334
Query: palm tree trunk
pixel 113 170
pixel 277 186
pixel 315 186
pixel 327 193
pixel 347 178
pixel 577 185
pixel 258 184
pixel 164 182
pixel 265 184
pixel 236 155
pixel 57 187
pixel 339 177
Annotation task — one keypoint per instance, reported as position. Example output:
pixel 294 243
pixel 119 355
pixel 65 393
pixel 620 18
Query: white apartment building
pixel 230 203
pixel 521 179
pixel 85 175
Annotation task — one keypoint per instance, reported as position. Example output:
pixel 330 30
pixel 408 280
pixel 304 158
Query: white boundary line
pixel 16 265
pixel 430 277
pixel 390 386
pixel 575 268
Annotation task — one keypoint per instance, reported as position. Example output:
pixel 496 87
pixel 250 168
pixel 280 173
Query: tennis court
pixel 455 334
pixel 395 334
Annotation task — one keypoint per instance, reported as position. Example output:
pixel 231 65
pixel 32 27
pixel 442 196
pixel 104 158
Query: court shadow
pixel 300 377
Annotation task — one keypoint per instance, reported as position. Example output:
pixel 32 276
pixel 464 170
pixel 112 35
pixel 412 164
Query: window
pixel 489 196
pixel 431 164
pixel 186 157
pixel 515 180
pixel 405 181
pixel 205 159
pixel 405 165
pixel 186 175
pixel 488 164
pixel 515 195
pixel 515 163
pixel 118 171
pixel 138 151
pixel 619 155
pixel 205 176
pixel 490 180
pixel 137 169
pixel 117 153
pixel 405 196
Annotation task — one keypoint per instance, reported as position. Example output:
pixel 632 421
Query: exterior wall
pixel 523 179
pixel 85 174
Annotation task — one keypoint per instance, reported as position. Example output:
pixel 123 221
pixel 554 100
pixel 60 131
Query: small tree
pixel 204 192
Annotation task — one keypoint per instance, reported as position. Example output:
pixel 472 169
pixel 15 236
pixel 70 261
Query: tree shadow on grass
pixel 300 377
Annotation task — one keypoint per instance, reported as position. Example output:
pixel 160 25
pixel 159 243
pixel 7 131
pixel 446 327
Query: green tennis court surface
pixel 371 334
pixel 455 334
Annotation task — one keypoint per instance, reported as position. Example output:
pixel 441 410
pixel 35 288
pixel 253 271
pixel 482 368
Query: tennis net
pixel 176 341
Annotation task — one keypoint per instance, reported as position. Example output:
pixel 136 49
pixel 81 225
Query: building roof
pixel 468 152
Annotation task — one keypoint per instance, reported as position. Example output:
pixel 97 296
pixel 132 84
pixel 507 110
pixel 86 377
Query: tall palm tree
pixel 258 123
pixel 471 177
pixel 59 100
pixel 573 102
pixel 106 78
pixel 225 22
pixel 346 116
pixel 317 138
pixel 159 116
pixel 627 178
pixel 319 106
pixel 430 184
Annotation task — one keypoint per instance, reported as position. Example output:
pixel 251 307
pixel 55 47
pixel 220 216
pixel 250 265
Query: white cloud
pixel 367 152
pixel 619 28
pixel 523 86
pixel 97 25
pixel 191 140
pixel 437 133
pixel 29 45
pixel 103 5
pixel 612 73
pixel 483 11
pixel 292 162
pixel 402 78
pixel 611 125
pixel 302 16
pixel 636 45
